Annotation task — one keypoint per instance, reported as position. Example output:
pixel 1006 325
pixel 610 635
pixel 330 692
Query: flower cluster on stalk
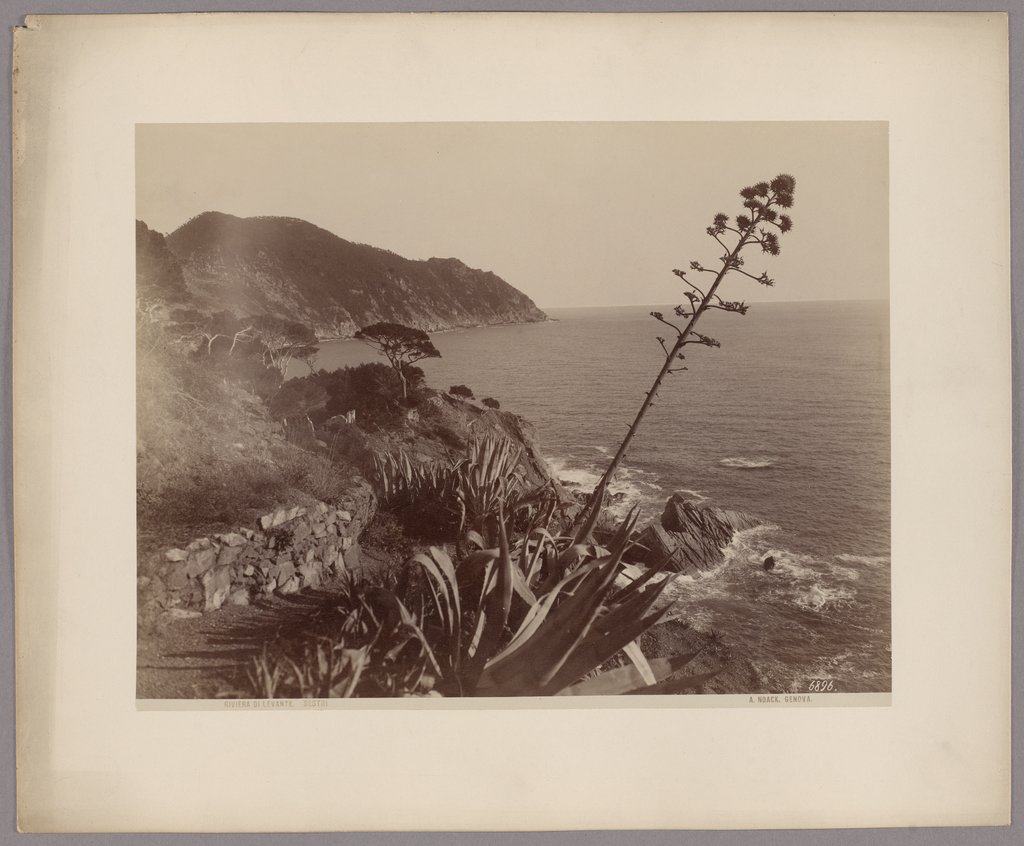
pixel 760 223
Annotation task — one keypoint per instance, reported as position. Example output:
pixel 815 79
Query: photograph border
pixel 952 835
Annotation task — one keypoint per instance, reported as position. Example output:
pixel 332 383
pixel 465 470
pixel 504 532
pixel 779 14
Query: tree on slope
pixel 401 345
pixel 283 341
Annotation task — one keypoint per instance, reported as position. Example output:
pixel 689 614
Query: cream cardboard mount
pixel 88 760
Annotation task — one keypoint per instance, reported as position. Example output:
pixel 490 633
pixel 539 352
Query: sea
pixel 788 420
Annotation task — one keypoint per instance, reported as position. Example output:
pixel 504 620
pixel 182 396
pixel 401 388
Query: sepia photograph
pixel 525 409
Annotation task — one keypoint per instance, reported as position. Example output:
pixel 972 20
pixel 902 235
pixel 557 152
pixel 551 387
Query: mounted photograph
pixel 513 411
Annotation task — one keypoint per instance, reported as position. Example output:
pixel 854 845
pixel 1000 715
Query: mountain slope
pixel 293 269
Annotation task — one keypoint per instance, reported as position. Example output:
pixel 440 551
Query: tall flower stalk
pixel 761 225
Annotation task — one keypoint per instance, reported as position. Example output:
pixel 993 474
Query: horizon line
pixel 754 302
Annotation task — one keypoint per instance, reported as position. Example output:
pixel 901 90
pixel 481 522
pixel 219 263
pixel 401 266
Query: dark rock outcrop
pixel 691 535
pixel 295 270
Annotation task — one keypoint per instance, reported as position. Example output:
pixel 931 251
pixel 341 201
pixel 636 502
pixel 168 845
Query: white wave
pixel 869 560
pixel 740 463
pixel 847 573
pixel 797 567
pixel 818 597
pixel 573 476
pixel 809 582
pixel 691 494
pixel 629 487
pixel 694 588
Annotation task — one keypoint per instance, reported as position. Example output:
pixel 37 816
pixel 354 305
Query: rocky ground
pixel 204 656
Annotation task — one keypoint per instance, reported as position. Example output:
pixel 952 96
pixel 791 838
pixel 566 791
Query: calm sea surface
pixel 789 421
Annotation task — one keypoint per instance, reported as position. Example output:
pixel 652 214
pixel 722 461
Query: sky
pixel 573 214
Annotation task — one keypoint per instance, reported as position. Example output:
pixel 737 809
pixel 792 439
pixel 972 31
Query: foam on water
pixel 573 476
pixel 868 560
pixel 818 597
pixel 847 573
pixel 740 463
pixel 629 488
pixel 797 579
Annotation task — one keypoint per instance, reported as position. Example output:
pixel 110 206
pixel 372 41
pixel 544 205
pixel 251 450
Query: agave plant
pixel 402 481
pixel 367 644
pixel 534 617
pixel 486 480
pixel 470 488
pixel 522 610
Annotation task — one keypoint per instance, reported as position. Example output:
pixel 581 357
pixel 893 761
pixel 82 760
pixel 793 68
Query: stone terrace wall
pixel 288 549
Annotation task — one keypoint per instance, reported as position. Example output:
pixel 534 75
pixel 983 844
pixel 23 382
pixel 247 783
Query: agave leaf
pixel 475 538
pixel 533 564
pixel 540 658
pixel 593 512
pixel 635 654
pixel 632 608
pixel 530 668
pixel 523 547
pixel 594 651
pixel 357 661
pixel 439 567
pixel 442 593
pixel 498 605
pixel 638 583
pixel 534 619
pixel 628 678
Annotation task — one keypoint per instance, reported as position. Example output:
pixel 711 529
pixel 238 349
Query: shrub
pixel 298 399
pixel 448 436
pixel 386 533
pixel 491 402
pixel 461 391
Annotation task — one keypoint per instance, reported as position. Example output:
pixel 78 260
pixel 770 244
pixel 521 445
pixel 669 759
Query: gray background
pixel 12 13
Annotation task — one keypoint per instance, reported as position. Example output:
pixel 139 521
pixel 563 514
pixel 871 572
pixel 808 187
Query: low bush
pixel 447 435
pixel 461 391
pixel 372 390
pixel 387 534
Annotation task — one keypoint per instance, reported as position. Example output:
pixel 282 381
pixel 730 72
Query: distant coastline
pixel 459 328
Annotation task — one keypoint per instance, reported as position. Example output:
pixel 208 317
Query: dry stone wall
pixel 288 549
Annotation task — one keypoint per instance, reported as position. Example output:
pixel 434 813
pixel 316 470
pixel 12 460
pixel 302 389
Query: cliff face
pixel 293 269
